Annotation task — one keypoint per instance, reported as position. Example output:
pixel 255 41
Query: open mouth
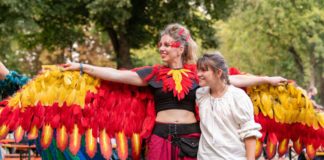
pixel 201 78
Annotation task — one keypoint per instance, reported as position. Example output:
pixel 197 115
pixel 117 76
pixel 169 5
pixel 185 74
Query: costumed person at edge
pixel 10 82
pixel 228 129
pixel 176 131
pixel 311 93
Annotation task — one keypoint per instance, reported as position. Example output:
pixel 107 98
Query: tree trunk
pixel 121 48
pixel 313 66
pixel 316 77
pixel 319 77
pixel 321 91
pixel 123 54
pixel 298 62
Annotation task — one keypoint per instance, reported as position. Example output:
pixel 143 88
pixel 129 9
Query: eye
pixel 167 44
pixel 159 45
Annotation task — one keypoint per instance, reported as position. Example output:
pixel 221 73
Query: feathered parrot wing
pixel 286 113
pixel 72 105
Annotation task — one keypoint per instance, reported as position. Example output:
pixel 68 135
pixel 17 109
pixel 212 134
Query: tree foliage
pixel 277 38
pixel 130 24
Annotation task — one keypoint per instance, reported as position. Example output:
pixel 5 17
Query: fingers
pixel 278 81
pixel 283 79
pixel 65 65
pixel 71 66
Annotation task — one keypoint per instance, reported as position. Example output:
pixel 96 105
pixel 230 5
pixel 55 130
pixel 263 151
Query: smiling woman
pixel 173 85
pixel 176 43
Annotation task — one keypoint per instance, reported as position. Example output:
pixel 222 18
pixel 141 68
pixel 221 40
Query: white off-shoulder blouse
pixel 225 122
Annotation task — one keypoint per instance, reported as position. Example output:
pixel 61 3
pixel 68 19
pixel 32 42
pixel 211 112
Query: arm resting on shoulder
pixel 250 80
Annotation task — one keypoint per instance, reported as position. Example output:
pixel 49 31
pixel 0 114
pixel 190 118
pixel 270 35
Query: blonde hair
pixel 181 34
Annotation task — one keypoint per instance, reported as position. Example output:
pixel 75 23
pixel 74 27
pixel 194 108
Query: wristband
pixel 81 68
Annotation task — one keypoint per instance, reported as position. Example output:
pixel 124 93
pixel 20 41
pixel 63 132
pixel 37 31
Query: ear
pixel 219 73
pixel 181 50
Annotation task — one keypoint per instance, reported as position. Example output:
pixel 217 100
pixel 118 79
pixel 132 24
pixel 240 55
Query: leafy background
pixel 261 37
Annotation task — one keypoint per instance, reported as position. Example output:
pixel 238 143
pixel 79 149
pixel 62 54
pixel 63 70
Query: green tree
pixel 277 37
pixel 130 24
pixel 27 28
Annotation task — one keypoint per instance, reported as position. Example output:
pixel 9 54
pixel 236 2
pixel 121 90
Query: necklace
pixel 212 100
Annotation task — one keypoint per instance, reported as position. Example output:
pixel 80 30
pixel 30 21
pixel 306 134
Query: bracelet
pixel 81 69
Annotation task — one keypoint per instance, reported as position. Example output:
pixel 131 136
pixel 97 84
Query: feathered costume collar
pixel 178 81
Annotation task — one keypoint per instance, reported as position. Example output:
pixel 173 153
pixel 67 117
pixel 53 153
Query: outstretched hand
pixel 3 71
pixel 71 66
pixel 276 80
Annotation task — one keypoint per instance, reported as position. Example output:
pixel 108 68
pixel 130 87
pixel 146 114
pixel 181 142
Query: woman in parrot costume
pixel 173 86
pixel 156 103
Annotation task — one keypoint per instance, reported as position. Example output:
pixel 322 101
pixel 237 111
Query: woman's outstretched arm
pixel 106 73
pixel 3 71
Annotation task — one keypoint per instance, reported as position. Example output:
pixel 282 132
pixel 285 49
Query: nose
pixel 161 48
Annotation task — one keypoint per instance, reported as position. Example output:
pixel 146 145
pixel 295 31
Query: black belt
pixel 175 131
pixel 164 129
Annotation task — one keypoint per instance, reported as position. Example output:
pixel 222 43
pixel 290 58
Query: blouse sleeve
pixel 12 82
pixel 243 115
pixel 201 94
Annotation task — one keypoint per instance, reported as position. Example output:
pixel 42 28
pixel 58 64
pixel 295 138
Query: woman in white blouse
pixel 228 129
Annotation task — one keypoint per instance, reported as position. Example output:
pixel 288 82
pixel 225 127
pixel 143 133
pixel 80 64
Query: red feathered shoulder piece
pixel 234 71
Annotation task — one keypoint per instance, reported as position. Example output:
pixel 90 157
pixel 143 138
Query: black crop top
pixel 165 100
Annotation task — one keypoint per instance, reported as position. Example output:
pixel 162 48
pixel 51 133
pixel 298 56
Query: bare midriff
pixel 176 116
